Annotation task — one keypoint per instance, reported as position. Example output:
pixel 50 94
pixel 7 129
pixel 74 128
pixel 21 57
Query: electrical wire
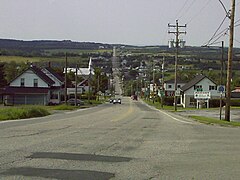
pixel 216 40
pixel 181 9
pixel 223 33
pixel 188 8
pixel 227 12
pixel 199 12
pixel 214 35
pixel 234 39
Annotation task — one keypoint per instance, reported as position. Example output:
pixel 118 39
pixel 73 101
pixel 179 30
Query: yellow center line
pixel 124 115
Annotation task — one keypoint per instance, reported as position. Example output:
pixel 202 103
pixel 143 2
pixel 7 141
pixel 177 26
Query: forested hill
pixel 48 44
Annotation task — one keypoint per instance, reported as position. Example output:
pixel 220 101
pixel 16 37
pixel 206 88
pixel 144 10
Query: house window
pixel 212 88
pixel 22 83
pixel 35 82
pixel 179 86
pixel 198 87
pixel 169 86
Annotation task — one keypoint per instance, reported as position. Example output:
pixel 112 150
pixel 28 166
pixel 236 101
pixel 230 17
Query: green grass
pixel 168 108
pixel 79 51
pixel 23 112
pixel 207 120
pixel 71 108
pixel 20 59
pixel 63 107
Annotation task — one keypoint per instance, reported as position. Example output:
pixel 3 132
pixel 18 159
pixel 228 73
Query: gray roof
pixel 196 80
pixel 42 75
pixel 60 78
pixel 173 81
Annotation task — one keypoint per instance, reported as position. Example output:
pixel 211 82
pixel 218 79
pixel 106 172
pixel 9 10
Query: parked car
pixel 72 102
pixel 115 101
pixel 111 100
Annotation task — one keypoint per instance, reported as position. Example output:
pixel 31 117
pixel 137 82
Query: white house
pixel 34 86
pixel 199 83
pixel 82 87
pixel 82 71
pixel 169 86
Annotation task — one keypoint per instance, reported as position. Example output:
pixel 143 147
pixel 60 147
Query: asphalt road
pixel 121 141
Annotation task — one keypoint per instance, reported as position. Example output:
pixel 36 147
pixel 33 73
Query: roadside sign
pixel 178 93
pixel 161 93
pixel 221 89
pixel 202 95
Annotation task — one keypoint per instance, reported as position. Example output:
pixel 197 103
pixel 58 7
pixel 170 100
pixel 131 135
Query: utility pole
pixel 76 85
pixel 65 87
pixel 98 86
pixel 89 84
pixel 163 92
pixel 153 67
pixel 177 33
pixel 221 79
pixel 229 68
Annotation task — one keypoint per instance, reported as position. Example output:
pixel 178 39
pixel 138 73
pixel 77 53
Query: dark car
pixel 72 102
pixel 134 97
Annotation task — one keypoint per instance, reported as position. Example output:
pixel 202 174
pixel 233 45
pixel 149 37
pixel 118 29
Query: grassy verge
pixel 168 108
pixel 69 107
pixel 22 113
pixel 28 111
pixel 207 120
pixel 63 107
pixel 201 119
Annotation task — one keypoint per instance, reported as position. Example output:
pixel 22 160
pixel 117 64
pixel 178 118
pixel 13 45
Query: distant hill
pixel 10 44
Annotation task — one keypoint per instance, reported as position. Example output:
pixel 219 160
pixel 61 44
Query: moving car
pixel 115 101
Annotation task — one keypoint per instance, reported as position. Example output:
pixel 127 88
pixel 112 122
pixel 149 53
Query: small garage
pixel 35 96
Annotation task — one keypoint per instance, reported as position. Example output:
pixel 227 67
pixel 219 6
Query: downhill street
pixel 121 141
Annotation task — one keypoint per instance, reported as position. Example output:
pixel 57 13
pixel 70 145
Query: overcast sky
pixel 135 22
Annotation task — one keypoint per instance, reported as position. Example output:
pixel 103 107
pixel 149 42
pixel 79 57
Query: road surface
pixel 121 141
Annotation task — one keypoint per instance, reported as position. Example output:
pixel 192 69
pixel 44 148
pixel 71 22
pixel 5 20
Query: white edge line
pixel 186 122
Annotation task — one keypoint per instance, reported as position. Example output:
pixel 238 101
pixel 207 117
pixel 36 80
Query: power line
pixel 234 39
pixel 181 9
pixel 214 35
pixel 199 11
pixel 227 12
pixel 188 8
pixel 222 33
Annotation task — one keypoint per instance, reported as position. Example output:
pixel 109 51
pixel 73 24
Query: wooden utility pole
pixel 229 68
pixel 153 67
pixel 76 83
pixel 163 91
pixel 221 79
pixel 89 85
pixel 65 87
pixel 177 33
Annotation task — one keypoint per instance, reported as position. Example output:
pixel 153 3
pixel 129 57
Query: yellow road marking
pixel 123 116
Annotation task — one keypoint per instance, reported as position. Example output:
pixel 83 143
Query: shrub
pixel 216 103
pixel 235 102
pixel 64 107
pixel 168 101
pixel 22 113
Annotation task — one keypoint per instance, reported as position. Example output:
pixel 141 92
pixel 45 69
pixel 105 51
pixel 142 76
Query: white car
pixel 117 101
